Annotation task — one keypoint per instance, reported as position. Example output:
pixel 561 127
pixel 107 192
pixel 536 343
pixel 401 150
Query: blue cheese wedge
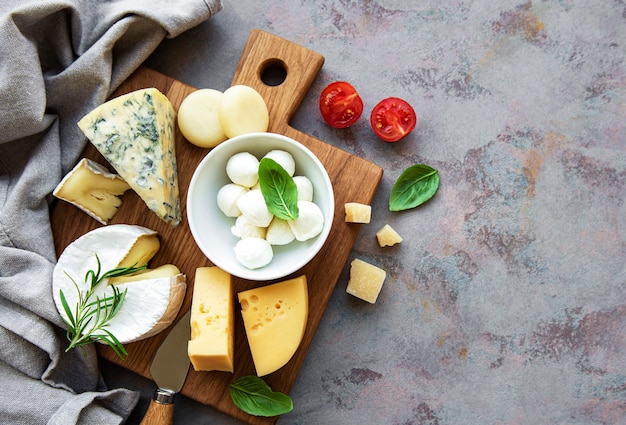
pixel 93 189
pixel 135 133
pixel 153 297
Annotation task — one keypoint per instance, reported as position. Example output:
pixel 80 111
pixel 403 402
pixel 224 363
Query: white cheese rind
pixel 150 304
pixel 135 133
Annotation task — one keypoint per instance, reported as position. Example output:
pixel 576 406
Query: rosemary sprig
pixel 88 321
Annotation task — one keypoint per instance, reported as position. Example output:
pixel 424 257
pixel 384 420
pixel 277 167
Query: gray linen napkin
pixel 58 60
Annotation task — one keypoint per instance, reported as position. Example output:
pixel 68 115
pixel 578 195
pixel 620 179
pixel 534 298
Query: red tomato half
pixel 340 104
pixel 392 119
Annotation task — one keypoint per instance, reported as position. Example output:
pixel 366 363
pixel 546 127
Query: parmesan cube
pixel 366 280
pixel 358 213
pixel 387 236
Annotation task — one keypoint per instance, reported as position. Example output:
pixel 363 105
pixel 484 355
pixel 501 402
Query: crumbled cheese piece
pixel 366 280
pixel 387 236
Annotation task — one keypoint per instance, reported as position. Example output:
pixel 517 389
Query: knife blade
pixel 169 368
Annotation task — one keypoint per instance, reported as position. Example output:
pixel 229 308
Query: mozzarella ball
pixel 279 232
pixel 243 169
pixel 284 159
pixel 253 253
pixel 227 198
pixel 244 229
pixel 305 188
pixel 252 206
pixel 309 223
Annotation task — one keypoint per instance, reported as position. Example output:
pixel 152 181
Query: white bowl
pixel 211 228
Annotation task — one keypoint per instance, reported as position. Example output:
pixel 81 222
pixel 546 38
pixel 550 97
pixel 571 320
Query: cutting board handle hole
pixel 273 72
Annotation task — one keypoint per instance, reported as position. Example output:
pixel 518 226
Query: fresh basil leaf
pixel 416 185
pixel 279 190
pixel 252 395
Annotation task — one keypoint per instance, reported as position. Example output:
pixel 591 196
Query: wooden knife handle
pixel 161 409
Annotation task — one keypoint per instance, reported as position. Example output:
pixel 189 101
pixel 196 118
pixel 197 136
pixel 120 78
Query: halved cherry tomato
pixel 392 119
pixel 340 104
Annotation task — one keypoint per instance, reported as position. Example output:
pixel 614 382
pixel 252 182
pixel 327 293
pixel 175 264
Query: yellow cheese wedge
pixel 135 133
pixel 275 318
pixel 212 321
pixel 92 188
pixel 153 297
pixel 366 280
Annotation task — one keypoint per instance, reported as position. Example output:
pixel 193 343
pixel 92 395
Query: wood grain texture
pixel 353 179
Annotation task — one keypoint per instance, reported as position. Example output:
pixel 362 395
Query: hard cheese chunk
pixel 153 297
pixel 135 133
pixel 387 236
pixel 93 189
pixel 366 280
pixel 275 318
pixel 357 213
pixel 212 321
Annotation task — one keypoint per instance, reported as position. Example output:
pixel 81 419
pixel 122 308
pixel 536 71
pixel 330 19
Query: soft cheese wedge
pixel 135 133
pixel 153 297
pixel 212 321
pixel 93 189
pixel 275 317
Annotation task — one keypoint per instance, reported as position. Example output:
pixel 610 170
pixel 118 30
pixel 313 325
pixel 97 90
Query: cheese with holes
pixel 275 318
pixel 357 212
pixel 153 297
pixel 387 236
pixel 366 280
pixel 93 189
pixel 135 133
pixel 212 321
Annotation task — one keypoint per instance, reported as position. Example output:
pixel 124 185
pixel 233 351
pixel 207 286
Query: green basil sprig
pixel 279 190
pixel 416 185
pixel 252 395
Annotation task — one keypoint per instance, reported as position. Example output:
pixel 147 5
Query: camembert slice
pixel 135 133
pixel 275 318
pixel 212 321
pixel 154 297
pixel 93 189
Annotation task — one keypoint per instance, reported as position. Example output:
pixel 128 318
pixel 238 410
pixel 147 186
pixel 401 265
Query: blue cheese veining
pixel 135 133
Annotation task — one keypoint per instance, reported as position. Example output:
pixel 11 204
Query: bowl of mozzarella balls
pixel 260 206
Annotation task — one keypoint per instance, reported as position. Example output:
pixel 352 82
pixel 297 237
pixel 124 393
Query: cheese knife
pixel 169 369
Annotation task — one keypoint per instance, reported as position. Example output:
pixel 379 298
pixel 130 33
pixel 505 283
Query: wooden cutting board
pixel 353 179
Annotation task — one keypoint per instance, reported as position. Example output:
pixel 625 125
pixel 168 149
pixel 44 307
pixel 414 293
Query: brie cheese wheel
pixel 153 297
pixel 135 133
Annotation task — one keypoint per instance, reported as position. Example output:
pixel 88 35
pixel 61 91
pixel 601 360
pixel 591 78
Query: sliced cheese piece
pixel 154 297
pixel 275 318
pixel 92 188
pixel 387 236
pixel 135 133
pixel 212 321
pixel 366 280
pixel 357 212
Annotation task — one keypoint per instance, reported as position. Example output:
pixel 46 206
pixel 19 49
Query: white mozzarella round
pixel 309 223
pixel 253 253
pixel 243 169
